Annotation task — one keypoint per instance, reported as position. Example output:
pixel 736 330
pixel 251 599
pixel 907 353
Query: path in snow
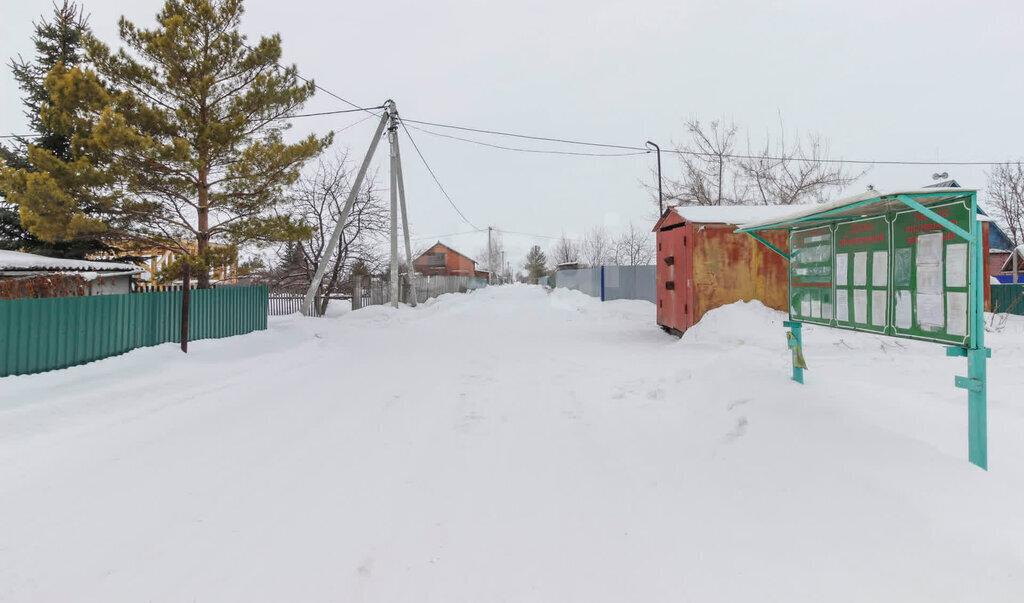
pixel 512 445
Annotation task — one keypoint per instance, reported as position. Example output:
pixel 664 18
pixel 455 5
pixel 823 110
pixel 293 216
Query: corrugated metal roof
pixel 851 206
pixel 731 214
pixel 18 261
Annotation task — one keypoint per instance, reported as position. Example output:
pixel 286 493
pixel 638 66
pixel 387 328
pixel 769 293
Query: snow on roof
pixel 1016 253
pixel 17 260
pixel 731 214
pixel 884 201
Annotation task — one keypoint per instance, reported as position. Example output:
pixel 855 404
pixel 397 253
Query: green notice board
pixel 898 274
pixel 862 274
pixel 931 272
pixel 810 275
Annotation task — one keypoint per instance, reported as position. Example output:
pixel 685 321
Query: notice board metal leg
pixel 795 341
pixel 977 407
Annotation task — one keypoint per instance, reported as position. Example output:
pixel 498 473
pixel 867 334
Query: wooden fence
pixel 373 291
pixel 39 335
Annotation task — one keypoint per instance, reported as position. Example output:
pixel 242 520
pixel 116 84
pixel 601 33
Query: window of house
pixel 435 259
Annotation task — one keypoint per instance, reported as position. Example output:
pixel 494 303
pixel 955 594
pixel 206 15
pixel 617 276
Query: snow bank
pixel 513 445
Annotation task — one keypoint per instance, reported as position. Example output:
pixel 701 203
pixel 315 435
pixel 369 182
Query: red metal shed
pixel 704 264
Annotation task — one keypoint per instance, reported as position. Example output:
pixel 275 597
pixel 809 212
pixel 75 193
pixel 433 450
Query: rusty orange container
pixel 704 264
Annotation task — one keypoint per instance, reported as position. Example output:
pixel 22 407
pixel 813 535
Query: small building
pixel 29 275
pixel 999 244
pixel 703 264
pixel 441 259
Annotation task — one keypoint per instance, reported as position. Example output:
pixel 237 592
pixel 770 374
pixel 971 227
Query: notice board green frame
pixel 904 264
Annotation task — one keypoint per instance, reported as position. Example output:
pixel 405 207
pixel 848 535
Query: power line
pixel 526 136
pixel 434 176
pixel 530 234
pixel 541 151
pixel 358 110
pixel 451 234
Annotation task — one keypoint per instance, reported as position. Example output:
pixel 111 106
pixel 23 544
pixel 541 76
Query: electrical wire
pixel 360 109
pixel 434 176
pixel 451 234
pixel 541 151
pixel 526 136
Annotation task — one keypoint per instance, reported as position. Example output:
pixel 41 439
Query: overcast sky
pixel 928 80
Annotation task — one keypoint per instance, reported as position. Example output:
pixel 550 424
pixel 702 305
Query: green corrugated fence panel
pixel 39 335
pixel 1008 298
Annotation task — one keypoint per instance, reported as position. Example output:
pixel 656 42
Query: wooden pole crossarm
pixel 915 204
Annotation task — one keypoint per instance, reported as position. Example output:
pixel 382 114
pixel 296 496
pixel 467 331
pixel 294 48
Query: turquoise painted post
pixel 795 340
pixel 977 355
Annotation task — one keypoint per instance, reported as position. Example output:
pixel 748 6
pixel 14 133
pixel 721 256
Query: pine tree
pixel 536 262
pixel 56 41
pixel 179 139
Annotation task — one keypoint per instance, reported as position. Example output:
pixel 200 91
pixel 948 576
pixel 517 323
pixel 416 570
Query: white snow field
pixel 514 445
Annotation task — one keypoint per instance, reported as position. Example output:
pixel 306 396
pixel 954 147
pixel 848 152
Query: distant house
pixel 443 260
pixel 29 275
pixel 999 244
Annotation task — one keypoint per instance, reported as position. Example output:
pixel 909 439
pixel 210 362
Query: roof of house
pixel 1019 254
pixel 449 249
pixel 17 261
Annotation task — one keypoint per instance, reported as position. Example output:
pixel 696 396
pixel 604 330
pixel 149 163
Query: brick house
pixel 441 259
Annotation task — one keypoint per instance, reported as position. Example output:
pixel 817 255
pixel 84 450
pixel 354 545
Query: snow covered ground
pixel 513 445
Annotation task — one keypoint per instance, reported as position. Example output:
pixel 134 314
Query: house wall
pixel 109 285
pixel 455 263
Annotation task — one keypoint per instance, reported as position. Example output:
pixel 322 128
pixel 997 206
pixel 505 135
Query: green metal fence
pixel 1008 298
pixel 39 335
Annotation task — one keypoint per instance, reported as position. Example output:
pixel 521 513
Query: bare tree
pixel 777 173
pixel 782 174
pixel 1006 194
pixel 597 247
pixel 564 251
pixel 634 247
pixel 710 175
pixel 492 256
pixel 317 199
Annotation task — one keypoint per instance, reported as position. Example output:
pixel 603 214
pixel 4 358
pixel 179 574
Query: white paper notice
pixel 904 310
pixel 956 311
pixel 842 267
pixel 860 306
pixel 929 279
pixel 805 305
pixel 826 310
pixel 956 266
pixel 842 305
pixel 878 309
pixel 930 314
pixel 929 248
pixel 879 268
pixel 860 268
pixel 816 308
pixel 901 267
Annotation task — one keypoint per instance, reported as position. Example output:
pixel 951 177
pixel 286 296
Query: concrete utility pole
pixel 405 214
pixel 490 264
pixel 392 134
pixel 328 252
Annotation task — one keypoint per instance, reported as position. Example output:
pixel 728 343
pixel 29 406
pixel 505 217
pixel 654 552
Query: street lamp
pixel 661 208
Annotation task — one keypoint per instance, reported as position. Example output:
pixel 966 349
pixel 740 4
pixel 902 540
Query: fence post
pixel 186 273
